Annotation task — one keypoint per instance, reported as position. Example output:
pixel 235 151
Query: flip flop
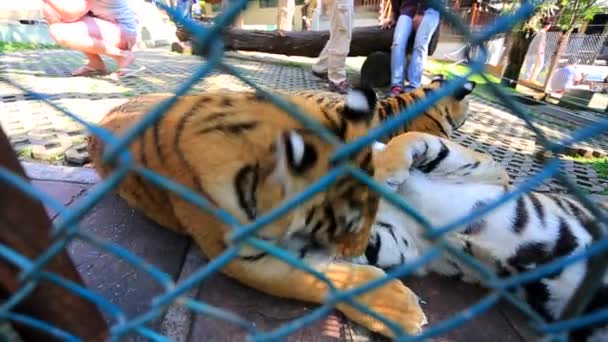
pixel 127 72
pixel 86 70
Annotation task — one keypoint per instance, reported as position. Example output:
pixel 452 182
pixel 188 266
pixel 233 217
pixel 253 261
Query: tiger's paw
pixel 393 301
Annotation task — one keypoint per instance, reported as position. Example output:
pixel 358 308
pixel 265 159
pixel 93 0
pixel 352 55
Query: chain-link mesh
pixel 582 49
pixel 67 228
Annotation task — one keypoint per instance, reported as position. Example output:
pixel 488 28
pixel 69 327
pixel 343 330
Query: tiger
pixel 444 181
pixel 442 118
pixel 246 156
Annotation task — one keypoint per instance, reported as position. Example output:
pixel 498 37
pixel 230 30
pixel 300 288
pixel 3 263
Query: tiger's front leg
pixel 393 300
pixel 265 273
pixel 437 158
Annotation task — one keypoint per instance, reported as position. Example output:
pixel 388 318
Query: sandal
pixel 87 70
pixel 127 72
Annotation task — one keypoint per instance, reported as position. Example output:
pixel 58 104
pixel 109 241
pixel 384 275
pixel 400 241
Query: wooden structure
pixel 25 227
pixel 371 41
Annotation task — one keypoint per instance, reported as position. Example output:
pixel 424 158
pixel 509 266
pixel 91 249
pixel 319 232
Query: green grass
pixel 13 47
pixel 451 70
pixel 25 153
pixel 600 165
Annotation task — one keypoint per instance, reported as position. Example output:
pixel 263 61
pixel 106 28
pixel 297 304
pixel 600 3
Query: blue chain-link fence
pixel 66 227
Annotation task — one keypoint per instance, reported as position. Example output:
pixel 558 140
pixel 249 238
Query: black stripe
pixel 246 184
pixel 401 103
pixel 215 116
pixel 227 102
pixel 468 248
pixel 156 139
pixel 437 123
pixel 334 125
pixel 143 159
pixel 388 109
pixel 538 207
pixel 577 211
pixel 177 148
pixel 385 225
pixel 254 257
pixel 308 218
pixel 558 202
pixel 432 165
pixel 566 241
pixel 393 235
pixel 372 250
pixel 478 225
pixel 449 119
pixel 232 128
pixel 521 215
pixel 367 163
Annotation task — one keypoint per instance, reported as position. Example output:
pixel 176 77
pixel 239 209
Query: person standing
pixel 95 27
pixel 536 59
pixel 331 65
pixel 403 13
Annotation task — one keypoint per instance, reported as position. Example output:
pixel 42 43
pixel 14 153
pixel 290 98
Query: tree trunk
pixel 365 40
pixel 517 55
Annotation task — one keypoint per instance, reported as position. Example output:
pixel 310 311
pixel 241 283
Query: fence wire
pixel 67 227
pixel 582 49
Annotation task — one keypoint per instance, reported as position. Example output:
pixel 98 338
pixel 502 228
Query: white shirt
pixel 563 78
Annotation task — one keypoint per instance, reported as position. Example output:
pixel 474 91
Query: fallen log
pixel 365 40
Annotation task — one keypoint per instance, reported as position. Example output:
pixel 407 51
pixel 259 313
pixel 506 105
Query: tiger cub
pixel 444 181
pixel 440 119
pixel 247 156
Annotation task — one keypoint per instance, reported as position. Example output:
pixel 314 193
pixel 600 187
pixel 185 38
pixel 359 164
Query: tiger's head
pixel 455 105
pixel 339 216
pixel 444 116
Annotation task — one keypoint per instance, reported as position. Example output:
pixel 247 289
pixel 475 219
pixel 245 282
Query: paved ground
pixel 39 131
pixel 133 289
pixel 43 133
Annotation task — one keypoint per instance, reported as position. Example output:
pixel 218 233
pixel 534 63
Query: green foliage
pixel 573 14
pixel 570 14
pixel 12 46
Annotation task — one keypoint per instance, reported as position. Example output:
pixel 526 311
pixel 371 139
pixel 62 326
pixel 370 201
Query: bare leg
pixel 95 37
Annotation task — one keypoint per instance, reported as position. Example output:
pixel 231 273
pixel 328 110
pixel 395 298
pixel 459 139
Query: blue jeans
pixel 403 30
pixel 184 8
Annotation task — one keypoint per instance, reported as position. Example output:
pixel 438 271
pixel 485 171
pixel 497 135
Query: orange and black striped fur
pixel 247 156
pixel 440 119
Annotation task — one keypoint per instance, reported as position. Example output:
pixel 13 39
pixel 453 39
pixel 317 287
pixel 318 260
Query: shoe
pixel 396 90
pixel 87 70
pixel 321 75
pixel 126 72
pixel 342 87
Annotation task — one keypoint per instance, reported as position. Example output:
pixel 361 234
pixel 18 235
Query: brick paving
pixel 42 133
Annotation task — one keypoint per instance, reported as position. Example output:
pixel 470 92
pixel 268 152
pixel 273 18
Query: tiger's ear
pixel 465 90
pixel 360 104
pixel 438 78
pixel 378 147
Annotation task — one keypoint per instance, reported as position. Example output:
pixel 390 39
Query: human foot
pixel 89 70
pixel 125 66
